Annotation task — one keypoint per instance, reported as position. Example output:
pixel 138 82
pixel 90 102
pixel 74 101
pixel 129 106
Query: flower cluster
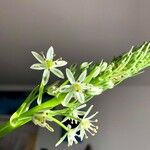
pixel 69 97
pixel 76 91
pixel 78 88
pixel 85 125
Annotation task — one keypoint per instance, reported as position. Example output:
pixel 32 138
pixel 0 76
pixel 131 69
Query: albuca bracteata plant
pixel 82 83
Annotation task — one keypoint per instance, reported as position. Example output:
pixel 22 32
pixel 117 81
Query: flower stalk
pixel 81 85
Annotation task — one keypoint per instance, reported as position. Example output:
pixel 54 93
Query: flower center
pixel 49 64
pixel 86 123
pixel 77 87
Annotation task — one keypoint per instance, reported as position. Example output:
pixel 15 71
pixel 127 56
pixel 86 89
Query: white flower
pixel 77 88
pixel 86 124
pixel 48 65
pixel 75 113
pixel 40 120
pixel 71 137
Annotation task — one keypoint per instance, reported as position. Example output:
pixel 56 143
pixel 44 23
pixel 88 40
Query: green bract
pixel 81 85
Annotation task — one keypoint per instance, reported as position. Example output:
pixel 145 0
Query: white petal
pixel 81 106
pixel 81 113
pixel 84 65
pixel 96 71
pixel 37 66
pixel 49 127
pixel 38 56
pixel 104 66
pixel 65 88
pixel 92 116
pixel 95 90
pixel 50 53
pixel 61 140
pixel 70 76
pixel 65 119
pixel 88 111
pixel 67 99
pixel 60 63
pixel 82 76
pixel 82 132
pixel 45 77
pixel 57 72
pixel 80 97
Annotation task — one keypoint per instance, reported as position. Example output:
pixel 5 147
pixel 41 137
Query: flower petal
pixel 104 66
pixel 60 63
pixel 81 106
pixel 82 133
pixel 96 71
pixel 50 53
pixel 92 115
pixel 45 77
pixel 80 97
pixel 67 99
pixel 38 56
pixel 57 72
pixel 65 88
pixel 88 111
pixel 70 76
pixel 82 76
pixel 93 90
pixel 61 140
pixel 37 66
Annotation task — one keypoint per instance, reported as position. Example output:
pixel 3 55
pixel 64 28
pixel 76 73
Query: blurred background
pixel 79 30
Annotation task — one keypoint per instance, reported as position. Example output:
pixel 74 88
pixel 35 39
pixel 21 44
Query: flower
pixel 40 120
pixel 71 135
pixel 75 113
pixel 77 88
pixel 48 65
pixel 86 124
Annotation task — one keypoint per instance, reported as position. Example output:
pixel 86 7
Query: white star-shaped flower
pixel 41 120
pixel 75 112
pixel 86 124
pixel 48 65
pixel 71 137
pixel 77 88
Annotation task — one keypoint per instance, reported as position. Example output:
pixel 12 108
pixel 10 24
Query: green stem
pixel 58 122
pixel 7 127
pixel 48 104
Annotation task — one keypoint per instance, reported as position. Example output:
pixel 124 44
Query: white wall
pixel 79 30
pixel 124 120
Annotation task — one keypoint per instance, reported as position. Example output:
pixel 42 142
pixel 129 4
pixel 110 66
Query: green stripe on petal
pixel 37 66
pixel 82 76
pixel 70 76
pixel 50 53
pixel 80 97
pixel 65 89
pixel 67 99
pixel 45 77
pixel 38 56
pixel 57 72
